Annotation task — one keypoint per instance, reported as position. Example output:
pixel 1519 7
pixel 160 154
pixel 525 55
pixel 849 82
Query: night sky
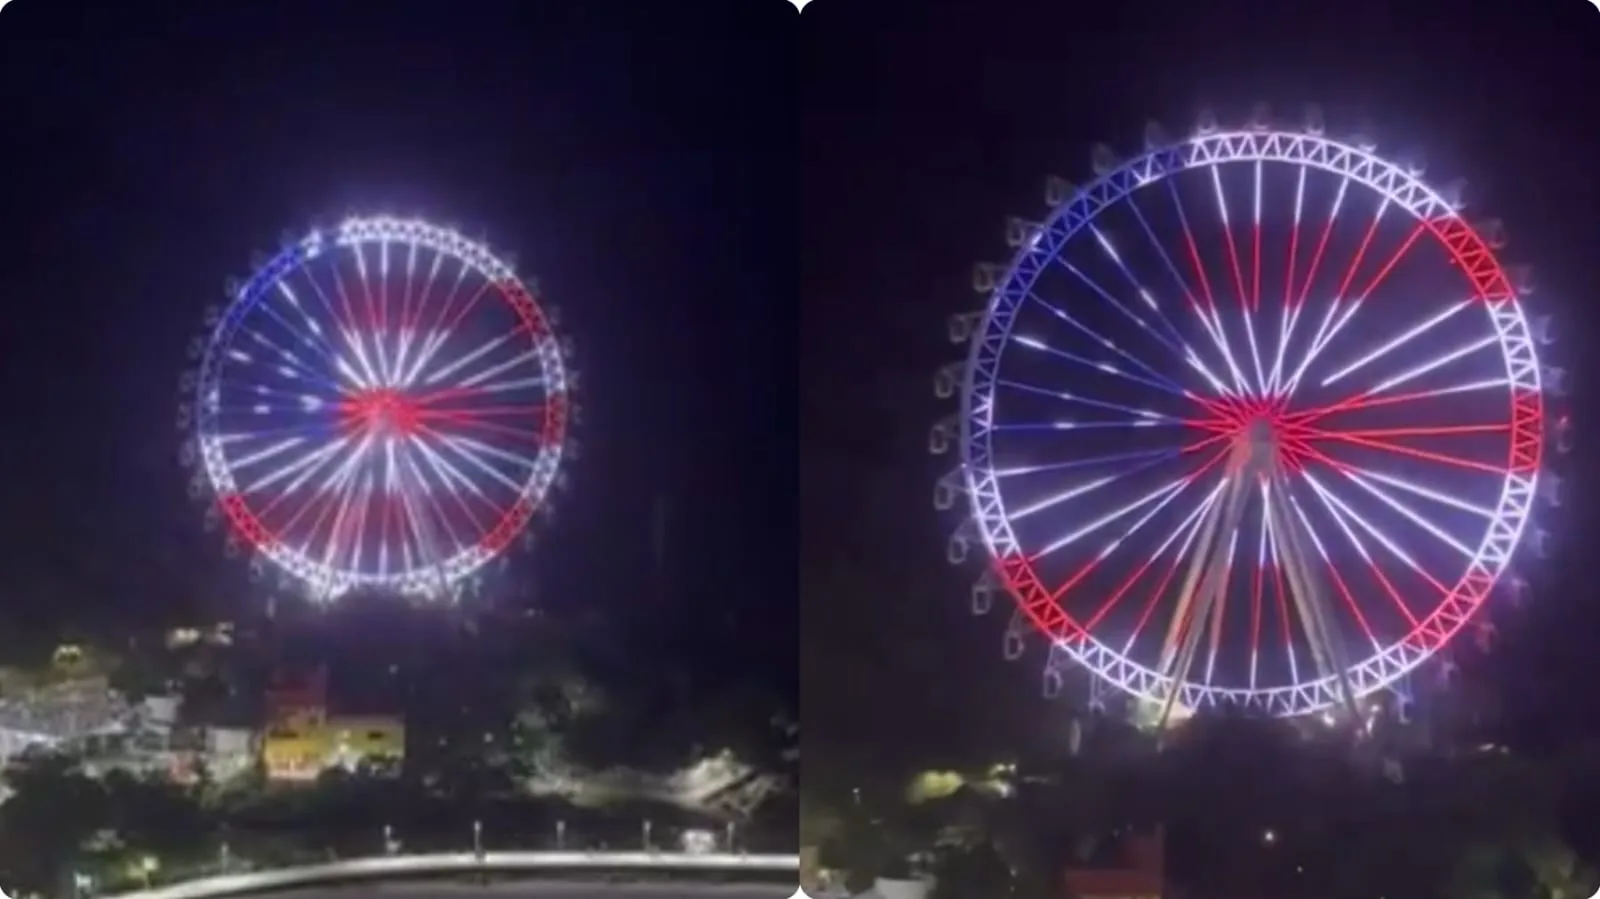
pixel 925 124
pixel 636 159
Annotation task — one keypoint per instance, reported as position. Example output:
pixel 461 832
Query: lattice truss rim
pixel 550 357
pixel 1381 669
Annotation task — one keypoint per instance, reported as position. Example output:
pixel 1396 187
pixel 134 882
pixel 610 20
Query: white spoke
pixel 1390 346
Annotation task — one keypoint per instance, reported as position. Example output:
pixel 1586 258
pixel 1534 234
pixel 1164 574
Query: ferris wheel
pixel 1255 419
pixel 382 406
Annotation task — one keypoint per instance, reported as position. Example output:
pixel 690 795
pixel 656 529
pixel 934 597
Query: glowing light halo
pixel 541 366
pixel 1357 166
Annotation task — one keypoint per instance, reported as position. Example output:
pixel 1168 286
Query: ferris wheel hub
pixel 1258 442
pixel 384 411
pixel 1258 430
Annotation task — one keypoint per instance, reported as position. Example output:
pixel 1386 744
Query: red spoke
pixel 344 299
pixel 449 303
pixel 465 419
pixel 526 410
pixel 374 310
pixel 1201 444
pixel 1349 600
pixel 461 315
pixel 1316 259
pixel 1106 607
pixel 1394 260
pixel 1288 281
pixel 1365 400
pixel 1355 263
pixel 471 516
pixel 1199 267
pixel 1438 431
pixel 1233 262
pixel 1219 408
pixel 1155 596
pixel 1228 427
pixel 1393 594
pixel 1427 455
pixel 327 505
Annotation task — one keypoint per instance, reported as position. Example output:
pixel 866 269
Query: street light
pixel 646 832
pixel 561 834
pixel 696 841
pixel 477 838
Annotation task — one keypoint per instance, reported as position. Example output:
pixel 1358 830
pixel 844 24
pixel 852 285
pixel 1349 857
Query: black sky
pixel 924 124
pixel 636 158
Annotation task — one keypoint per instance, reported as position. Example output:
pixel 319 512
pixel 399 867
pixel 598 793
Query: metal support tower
pixel 1255 464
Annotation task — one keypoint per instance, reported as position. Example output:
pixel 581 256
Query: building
pixel 304 748
pixel 227 752
pixel 303 738
pixel 292 753
pixel 65 712
pixel 292 699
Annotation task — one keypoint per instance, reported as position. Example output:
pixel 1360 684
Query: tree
pixel 154 815
pixel 818 822
pixel 865 848
pixel 967 871
pixel 53 812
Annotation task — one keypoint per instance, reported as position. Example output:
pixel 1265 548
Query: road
pixel 544 889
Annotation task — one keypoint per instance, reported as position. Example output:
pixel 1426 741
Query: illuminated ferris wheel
pixel 382 406
pixel 1255 418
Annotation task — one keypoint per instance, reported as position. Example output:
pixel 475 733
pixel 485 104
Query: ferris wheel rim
pixel 442 575
pixel 1490 286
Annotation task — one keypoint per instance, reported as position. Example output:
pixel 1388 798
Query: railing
pixel 470 862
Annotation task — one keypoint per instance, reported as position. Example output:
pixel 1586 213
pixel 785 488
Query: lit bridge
pixel 395 867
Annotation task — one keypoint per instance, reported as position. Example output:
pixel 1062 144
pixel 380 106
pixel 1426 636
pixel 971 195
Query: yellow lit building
pixel 293 751
pixel 302 747
pixel 367 738
pixel 302 739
